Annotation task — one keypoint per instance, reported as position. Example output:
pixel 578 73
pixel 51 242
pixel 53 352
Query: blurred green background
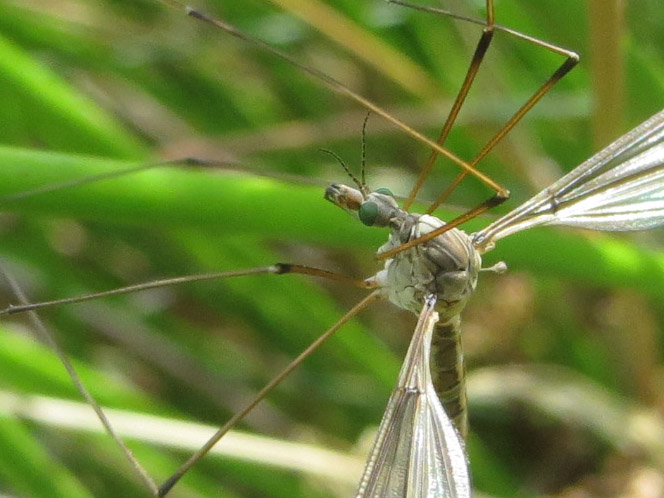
pixel 563 351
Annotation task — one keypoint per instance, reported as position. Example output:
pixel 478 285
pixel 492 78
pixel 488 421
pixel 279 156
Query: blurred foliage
pixel 89 87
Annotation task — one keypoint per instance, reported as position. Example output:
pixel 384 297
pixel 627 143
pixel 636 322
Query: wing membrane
pixel 417 453
pixel 618 189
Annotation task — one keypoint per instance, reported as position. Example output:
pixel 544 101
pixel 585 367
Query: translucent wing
pixel 418 452
pixel 620 188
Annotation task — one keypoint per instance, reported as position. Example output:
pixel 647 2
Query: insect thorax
pixel 447 266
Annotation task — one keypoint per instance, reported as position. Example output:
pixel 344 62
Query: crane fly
pixel 618 189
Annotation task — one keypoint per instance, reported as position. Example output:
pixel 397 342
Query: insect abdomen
pixel 448 371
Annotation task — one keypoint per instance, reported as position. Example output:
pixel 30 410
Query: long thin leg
pixel 171 481
pixel 335 86
pixel 85 180
pixel 571 59
pixel 46 336
pixel 478 56
pixel 497 199
pixel 565 68
pixel 276 269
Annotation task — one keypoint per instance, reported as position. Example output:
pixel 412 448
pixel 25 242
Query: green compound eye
pixel 368 213
pixel 384 191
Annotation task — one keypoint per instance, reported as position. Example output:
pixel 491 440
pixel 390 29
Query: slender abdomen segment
pixel 448 371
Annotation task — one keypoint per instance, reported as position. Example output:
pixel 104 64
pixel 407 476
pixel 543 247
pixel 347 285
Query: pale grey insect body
pixel 446 267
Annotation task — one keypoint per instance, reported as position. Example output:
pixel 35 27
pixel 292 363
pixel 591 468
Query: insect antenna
pixel 363 158
pixel 360 183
